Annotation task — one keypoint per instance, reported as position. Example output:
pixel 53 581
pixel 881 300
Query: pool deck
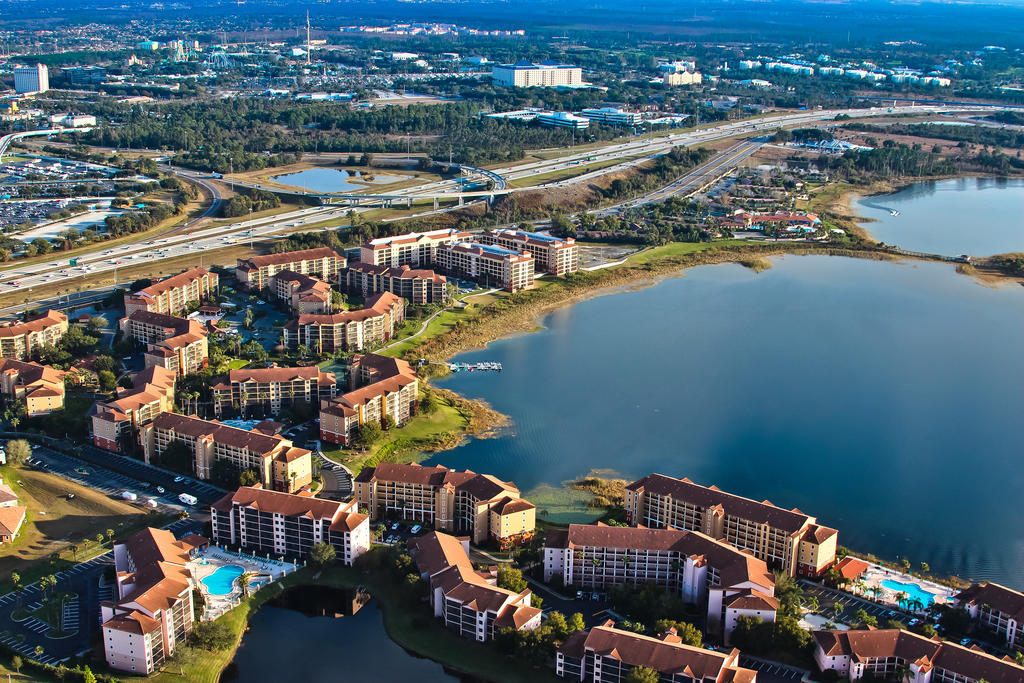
pixel 876 574
pixel 212 559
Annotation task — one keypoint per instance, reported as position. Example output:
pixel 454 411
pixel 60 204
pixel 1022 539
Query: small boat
pixel 894 212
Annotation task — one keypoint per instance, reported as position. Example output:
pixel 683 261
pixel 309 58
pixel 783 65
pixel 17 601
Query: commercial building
pixel 153 612
pixel 545 75
pixel 173 295
pixel 254 273
pixel 284 524
pixel 177 344
pixel 418 286
pixel 605 654
pixel 479 505
pixel 727 583
pixel 272 388
pixel 380 387
pixel 277 463
pixel 31 79
pixel 562 119
pixel 888 653
pixel 115 422
pixel 997 609
pixel 412 249
pixel 551 254
pixel 788 540
pixel 39 388
pixel 302 293
pixel 613 116
pixel 22 340
pixel 469 602
pixel 84 75
pixel 350 330
pixel 488 264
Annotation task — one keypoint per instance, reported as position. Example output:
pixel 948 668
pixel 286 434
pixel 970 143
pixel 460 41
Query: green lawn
pixel 678 249
pixel 237 363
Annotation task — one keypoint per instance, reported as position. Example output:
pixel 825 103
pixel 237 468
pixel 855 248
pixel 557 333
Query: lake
pixel 320 180
pixel 288 640
pixel 884 398
pixel 976 216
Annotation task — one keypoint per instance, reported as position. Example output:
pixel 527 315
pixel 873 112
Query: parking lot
pixel 773 671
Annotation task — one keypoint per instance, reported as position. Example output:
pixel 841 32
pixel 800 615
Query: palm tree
pixel 243 582
pixel 901 597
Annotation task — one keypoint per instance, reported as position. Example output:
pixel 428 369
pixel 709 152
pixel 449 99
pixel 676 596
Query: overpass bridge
pixel 6 140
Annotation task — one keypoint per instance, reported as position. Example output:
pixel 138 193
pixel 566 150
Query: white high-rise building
pixel 31 78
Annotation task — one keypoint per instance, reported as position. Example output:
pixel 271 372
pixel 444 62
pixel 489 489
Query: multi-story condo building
pixel 21 341
pixel 726 582
pixel 418 286
pixel 997 609
pixel 605 654
pixel 302 293
pixel 253 518
pixel 488 264
pixel 893 653
pixel 551 254
pixel 152 613
pixel 28 79
pixel 529 75
pixel 115 422
pixel 177 344
pixel 278 464
pixel 39 388
pixel 682 78
pixel 173 295
pixel 379 388
pixel 469 602
pixel 478 505
pixel 254 273
pixel 412 249
pixel 350 330
pixel 787 540
pixel 272 388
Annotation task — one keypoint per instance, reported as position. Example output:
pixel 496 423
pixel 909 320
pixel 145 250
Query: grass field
pixel 677 249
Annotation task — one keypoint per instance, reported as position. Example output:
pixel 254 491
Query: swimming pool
pixel 912 590
pixel 222 581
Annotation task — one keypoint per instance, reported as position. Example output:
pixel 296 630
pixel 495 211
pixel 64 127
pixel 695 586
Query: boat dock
pixel 474 367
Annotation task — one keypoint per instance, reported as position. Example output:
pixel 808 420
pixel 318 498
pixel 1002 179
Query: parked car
pixel 579 595
pixel 178 480
pixel 160 489
pixel 965 642
pixel 394 527
pixel 914 622
pixel 416 529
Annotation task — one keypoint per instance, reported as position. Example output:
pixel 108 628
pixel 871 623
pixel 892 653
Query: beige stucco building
pixel 39 388
pixel 113 421
pixel 254 273
pixel 21 341
pixel 172 295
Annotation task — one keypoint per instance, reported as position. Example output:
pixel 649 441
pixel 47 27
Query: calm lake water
pixel 320 180
pixel 976 216
pixel 286 644
pixel 883 398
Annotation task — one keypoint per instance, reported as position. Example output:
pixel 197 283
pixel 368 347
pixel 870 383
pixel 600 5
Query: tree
pixel 16 579
pixel 865 619
pixel 690 634
pixel 107 380
pixel 248 478
pixel 366 434
pixel 18 451
pixel 641 674
pixel 576 623
pixel 427 404
pixel 109 533
pixel 243 581
pixel 322 554
pixel 558 625
pixel 47 583
pixel 88 676
pixel 16 664
pixel 511 579
pixel 211 635
pixel 39 651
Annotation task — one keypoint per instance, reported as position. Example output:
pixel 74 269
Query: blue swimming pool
pixel 222 581
pixel 912 590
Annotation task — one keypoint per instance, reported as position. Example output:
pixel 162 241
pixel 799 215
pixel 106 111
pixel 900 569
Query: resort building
pixel 529 75
pixel 469 602
pixel 115 422
pixel 272 388
pixel 379 388
pixel 39 388
pixel 278 464
pixel 683 78
pixel 153 611
pixel 551 254
pixel 284 524
pixel 787 540
pixel 21 341
pixel 997 609
pixel 254 273
pixel 12 515
pixel 490 265
pixel 478 505
pixel 605 654
pixel 349 330
pixel 889 653
pixel 302 293
pixel 174 294
pixel 715 576
pixel 417 286
pixel 177 344
pixel 412 249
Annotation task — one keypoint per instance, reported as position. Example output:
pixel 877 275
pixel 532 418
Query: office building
pixel 254 273
pixel 562 119
pixel 788 540
pixel 555 255
pixel 39 388
pixel 412 249
pixel 302 293
pixel 487 264
pixel 350 330
pixel 271 389
pixel 174 294
pixel 478 505
pixel 31 79
pixel 528 75
pixel 77 76
pixel 418 286
pixel 276 462
pixel 380 388
pixel 284 524
pixel 115 423
pixel 468 602
pixel 997 609
pixel 21 341
pixel 613 116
